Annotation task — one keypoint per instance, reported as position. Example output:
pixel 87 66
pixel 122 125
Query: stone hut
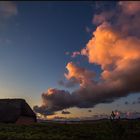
pixel 16 111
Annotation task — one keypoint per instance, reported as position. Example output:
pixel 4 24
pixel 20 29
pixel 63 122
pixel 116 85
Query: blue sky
pixel 33 43
pixel 39 35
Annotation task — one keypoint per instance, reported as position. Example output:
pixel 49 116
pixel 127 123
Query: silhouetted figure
pixel 119 118
pixel 112 116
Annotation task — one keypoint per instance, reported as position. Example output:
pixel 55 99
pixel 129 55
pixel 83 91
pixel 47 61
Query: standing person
pixel 112 116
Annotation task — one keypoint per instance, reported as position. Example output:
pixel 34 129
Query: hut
pixel 16 111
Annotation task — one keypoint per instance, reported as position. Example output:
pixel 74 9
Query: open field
pixel 98 130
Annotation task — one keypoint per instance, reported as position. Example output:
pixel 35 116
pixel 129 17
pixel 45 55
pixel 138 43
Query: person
pixel 112 116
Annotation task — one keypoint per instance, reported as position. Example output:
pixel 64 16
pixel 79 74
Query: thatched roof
pixel 12 109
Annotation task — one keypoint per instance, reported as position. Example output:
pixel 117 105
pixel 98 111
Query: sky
pixel 71 59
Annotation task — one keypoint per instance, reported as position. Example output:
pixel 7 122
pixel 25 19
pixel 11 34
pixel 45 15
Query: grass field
pixel 99 130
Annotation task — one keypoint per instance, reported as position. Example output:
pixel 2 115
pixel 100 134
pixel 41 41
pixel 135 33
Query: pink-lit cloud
pixel 88 30
pixel 81 75
pixel 67 53
pixel 116 49
pixel 130 7
pixel 8 9
pixel 74 54
pixel 102 17
pixel 68 84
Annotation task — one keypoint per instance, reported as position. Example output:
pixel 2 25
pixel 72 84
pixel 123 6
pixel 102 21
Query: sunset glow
pixel 71 60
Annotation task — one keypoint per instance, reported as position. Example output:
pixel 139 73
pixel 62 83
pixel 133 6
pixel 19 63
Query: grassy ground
pixel 100 130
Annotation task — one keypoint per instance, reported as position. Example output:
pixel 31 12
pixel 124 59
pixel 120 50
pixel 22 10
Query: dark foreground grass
pixel 99 130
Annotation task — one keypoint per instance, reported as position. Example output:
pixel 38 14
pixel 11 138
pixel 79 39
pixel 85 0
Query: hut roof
pixel 12 109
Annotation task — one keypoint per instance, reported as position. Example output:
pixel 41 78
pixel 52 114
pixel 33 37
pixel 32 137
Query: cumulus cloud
pixel 74 54
pixel 7 9
pixel 109 48
pixel 87 29
pixel 126 103
pixel 59 118
pixel 133 102
pixel 69 84
pixel 136 101
pixel 55 100
pixel 102 17
pixel 43 110
pixel 81 75
pixel 89 110
pixel 130 7
pixel 115 47
pixel 65 112
pixel 67 53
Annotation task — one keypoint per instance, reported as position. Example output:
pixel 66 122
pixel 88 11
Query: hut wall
pixel 25 120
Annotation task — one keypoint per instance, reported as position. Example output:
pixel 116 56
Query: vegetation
pixel 98 130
